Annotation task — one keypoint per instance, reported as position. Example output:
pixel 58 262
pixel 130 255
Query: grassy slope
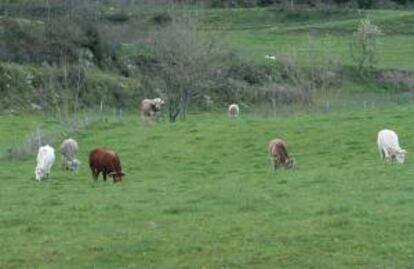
pixel 257 32
pixel 14 129
pixel 200 194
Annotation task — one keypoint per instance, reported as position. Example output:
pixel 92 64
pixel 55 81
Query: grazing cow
pixel 45 159
pixel 151 108
pixel 107 162
pixel 69 149
pixel 389 147
pixel 278 154
pixel 234 111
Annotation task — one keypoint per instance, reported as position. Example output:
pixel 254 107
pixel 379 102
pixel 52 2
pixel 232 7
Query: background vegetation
pixel 67 56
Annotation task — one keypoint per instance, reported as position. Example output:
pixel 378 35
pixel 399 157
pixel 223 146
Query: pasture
pixel 313 33
pixel 200 193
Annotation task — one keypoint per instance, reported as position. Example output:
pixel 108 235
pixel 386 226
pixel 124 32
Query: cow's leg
pixel 388 154
pixel 381 153
pixel 64 164
pixel 143 117
pixel 384 154
pixel 275 164
pixel 95 174
pixel 104 175
pixel 278 162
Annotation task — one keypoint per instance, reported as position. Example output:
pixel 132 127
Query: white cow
pixel 234 111
pixel 389 147
pixel 45 159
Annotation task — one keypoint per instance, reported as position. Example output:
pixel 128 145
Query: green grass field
pixel 16 129
pixel 201 194
pixel 257 32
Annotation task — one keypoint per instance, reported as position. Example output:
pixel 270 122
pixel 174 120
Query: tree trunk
pixel 274 97
pixel 173 108
pixel 185 103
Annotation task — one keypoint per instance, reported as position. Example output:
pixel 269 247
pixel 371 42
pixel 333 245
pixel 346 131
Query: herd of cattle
pixel 107 161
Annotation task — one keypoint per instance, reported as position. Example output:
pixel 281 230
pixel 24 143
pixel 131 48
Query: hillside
pixel 265 31
pixel 115 59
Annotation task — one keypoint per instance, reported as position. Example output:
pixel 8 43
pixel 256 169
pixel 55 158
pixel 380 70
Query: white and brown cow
pixel 233 111
pixel 279 155
pixel 151 108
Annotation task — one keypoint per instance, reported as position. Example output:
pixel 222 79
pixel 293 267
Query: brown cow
pixel 107 162
pixel 279 155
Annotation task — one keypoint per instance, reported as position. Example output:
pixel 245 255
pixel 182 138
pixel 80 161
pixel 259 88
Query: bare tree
pixel 184 56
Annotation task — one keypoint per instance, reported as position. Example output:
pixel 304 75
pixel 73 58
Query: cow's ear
pixel 111 174
pixel 122 173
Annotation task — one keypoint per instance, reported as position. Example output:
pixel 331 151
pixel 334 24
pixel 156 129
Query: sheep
pixel 45 159
pixel 69 148
pixel 278 154
pixel 389 147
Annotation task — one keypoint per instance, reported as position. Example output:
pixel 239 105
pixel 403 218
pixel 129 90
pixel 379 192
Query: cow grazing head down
pixel 45 158
pixel 106 162
pixel 69 148
pixel 279 155
pixel 389 146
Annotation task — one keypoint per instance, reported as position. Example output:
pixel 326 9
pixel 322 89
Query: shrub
pixel 162 19
pixel 250 73
pixel 365 45
pixel 119 17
